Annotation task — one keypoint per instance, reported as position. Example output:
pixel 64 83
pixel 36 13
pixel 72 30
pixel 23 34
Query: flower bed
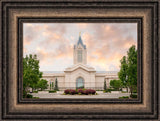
pixel 80 92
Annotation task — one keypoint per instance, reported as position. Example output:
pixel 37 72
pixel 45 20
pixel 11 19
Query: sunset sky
pixel 53 43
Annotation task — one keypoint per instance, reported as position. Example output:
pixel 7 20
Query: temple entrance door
pixel 79 83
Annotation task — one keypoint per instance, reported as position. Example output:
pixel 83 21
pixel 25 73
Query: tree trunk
pixel 131 90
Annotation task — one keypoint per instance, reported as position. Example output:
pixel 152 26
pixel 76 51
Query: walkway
pixel 59 95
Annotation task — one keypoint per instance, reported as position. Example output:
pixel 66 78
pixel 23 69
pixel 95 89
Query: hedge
pixel 109 90
pixel 52 91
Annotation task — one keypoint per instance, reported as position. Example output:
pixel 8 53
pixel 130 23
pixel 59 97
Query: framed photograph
pixel 73 60
pixel 71 67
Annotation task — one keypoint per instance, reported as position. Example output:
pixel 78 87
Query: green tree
pixel 105 85
pixel 132 68
pixel 128 69
pixel 42 84
pixel 56 84
pixel 52 85
pixel 31 73
pixel 116 84
pixel 122 74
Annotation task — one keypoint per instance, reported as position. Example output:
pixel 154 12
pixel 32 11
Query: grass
pixel 124 97
pixel 35 91
pixel 123 91
pixel 109 90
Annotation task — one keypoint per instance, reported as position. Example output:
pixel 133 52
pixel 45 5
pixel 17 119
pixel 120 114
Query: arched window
pixel 79 55
pixel 79 83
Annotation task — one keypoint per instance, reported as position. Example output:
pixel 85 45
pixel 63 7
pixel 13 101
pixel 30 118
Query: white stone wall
pixel 67 80
pixel 71 77
pixel 52 78
pixel 99 82
pixel 61 82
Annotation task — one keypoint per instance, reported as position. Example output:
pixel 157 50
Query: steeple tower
pixel 80 52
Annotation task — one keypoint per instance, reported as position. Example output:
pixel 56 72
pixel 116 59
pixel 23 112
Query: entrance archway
pixel 79 83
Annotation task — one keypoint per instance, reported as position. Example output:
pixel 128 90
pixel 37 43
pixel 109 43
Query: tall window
pixel 79 55
pixel 79 83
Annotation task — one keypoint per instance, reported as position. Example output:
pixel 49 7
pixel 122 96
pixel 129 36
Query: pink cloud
pixel 106 43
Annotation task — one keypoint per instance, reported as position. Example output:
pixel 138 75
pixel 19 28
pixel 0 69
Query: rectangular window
pixel 79 55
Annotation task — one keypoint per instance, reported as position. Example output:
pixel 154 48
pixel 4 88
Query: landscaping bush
pixel 52 91
pixel 72 91
pixel 91 91
pixel 76 91
pixel 86 92
pixel 133 96
pixel 79 91
pixel 66 91
pixel 29 96
pixel 109 90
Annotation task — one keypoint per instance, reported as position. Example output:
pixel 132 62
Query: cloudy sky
pixel 53 43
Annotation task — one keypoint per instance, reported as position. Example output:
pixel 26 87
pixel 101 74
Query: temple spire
pixel 80 41
pixel 79 34
pixel 80 51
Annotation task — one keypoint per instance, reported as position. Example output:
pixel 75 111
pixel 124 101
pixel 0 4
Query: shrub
pixel 116 84
pixel 76 91
pixel 133 96
pixel 86 92
pixel 29 96
pixel 105 86
pixel 109 90
pixel 56 85
pixel 80 91
pixel 52 91
pixel 91 91
pixel 67 91
pixel 72 92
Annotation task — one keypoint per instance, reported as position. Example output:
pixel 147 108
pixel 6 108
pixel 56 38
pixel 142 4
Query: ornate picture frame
pixel 14 13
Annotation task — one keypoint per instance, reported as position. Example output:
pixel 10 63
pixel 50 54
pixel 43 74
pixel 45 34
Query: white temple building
pixel 80 75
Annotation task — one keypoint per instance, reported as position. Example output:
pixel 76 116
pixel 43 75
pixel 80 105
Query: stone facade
pixel 80 74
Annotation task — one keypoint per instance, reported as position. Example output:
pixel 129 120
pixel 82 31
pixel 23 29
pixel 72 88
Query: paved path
pixel 59 95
